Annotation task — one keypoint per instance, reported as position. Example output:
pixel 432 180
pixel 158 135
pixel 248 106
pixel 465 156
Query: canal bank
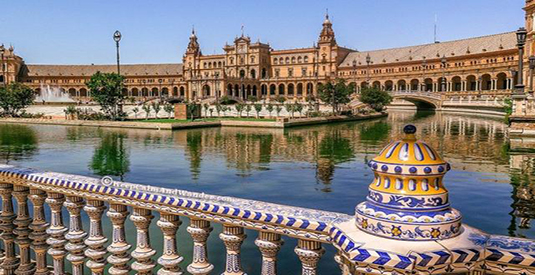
pixel 279 123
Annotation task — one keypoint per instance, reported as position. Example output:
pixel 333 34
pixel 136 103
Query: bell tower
pixel 327 49
pixel 191 69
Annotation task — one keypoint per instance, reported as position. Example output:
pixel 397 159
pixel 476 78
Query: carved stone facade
pixel 247 68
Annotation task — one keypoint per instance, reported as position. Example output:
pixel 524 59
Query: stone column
pixel 56 231
pixel 22 231
pixel 10 262
pixel 309 252
pixel 199 231
pixel 233 237
pixel 170 259
pixel 76 234
pixel 143 252
pixel 38 234
pixel 269 245
pixel 119 247
pixel 96 251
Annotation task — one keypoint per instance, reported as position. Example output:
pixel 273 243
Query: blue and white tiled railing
pixel 46 234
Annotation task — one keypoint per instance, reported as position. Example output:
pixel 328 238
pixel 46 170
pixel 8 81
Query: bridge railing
pixel 118 201
pixel 33 229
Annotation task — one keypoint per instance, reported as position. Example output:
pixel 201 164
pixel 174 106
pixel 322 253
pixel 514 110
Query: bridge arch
pixel 422 101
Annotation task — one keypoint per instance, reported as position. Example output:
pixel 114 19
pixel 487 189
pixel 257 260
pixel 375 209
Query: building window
pixel 231 60
pixel 290 72
pixel 252 59
pixel 277 72
pixel 304 72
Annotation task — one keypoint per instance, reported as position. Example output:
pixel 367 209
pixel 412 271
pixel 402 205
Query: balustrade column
pixel 269 245
pixel 199 231
pixel 143 252
pixel 38 234
pixel 22 231
pixel 119 247
pixel 76 234
pixel 309 253
pixel 233 237
pixel 10 262
pixel 170 259
pixel 96 240
pixel 56 231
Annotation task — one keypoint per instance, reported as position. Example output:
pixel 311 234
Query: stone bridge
pixel 481 102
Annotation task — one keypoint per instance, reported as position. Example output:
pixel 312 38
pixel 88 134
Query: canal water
pixel 322 167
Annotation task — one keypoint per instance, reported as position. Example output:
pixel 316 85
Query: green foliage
pixel 252 98
pixel 169 109
pixel 258 108
pixel 205 107
pixel 225 100
pixel 15 97
pixel 219 108
pixel 336 94
pixel 375 98
pixel 290 109
pixel 135 110
pixel 280 99
pixel 239 108
pixel 248 109
pixel 278 109
pixel 156 107
pixel 106 90
pixel 192 109
pixel 298 107
pixel 508 108
pixel 270 108
pixel 147 110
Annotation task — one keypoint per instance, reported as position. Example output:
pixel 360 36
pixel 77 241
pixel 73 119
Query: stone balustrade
pixel 27 239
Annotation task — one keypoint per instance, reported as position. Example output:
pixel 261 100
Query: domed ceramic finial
pixel 407 199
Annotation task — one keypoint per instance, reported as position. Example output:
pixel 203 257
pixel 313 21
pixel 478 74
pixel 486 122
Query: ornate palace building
pixel 247 68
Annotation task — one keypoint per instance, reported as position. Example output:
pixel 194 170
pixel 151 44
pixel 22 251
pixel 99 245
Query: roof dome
pixel 407 199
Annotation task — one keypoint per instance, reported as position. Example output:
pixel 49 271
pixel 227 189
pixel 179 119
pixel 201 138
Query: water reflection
pixel 17 142
pixel 111 157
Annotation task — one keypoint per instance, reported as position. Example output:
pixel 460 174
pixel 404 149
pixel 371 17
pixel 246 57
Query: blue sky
pixel 157 31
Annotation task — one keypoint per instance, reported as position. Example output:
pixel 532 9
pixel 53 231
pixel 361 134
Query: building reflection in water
pixel 17 142
pixel 111 156
pixel 522 164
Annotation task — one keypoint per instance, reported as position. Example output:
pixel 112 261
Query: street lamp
pixel 160 82
pixel 521 41
pixel 443 61
pixel 424 66
pixel 531 68
pixel 117 37
pixel 2 51
pixel 368 61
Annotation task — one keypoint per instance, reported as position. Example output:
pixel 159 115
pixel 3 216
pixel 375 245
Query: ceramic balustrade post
pixel 199 231
pixel 119 247
pixel 170 259
pixel 143 253
pixel 96 251
pixel 233 237
pixel 309 253
pixel 38 234
pixel 57 230
pixel 76 234
pixel 269 245
pixel 10 262
pixel 343 264
pixel 22 231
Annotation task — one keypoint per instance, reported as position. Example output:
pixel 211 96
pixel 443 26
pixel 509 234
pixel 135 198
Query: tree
pixel 15 97
pixel 147 109
pixel 270 108
pixel 248 109
pixel 336 94
pixel 278 109
pixel 280 99
pixel 106 90
pixel 135 110
pixel 206 106
pixel 169 108
pixel 289 109
pixel 218 108
pixel 156 106
pixel 258 109
pixel 298 107
pixel 252 98
pixel 375 98
pixel 239 108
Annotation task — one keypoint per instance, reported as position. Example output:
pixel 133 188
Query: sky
pixel 157 31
